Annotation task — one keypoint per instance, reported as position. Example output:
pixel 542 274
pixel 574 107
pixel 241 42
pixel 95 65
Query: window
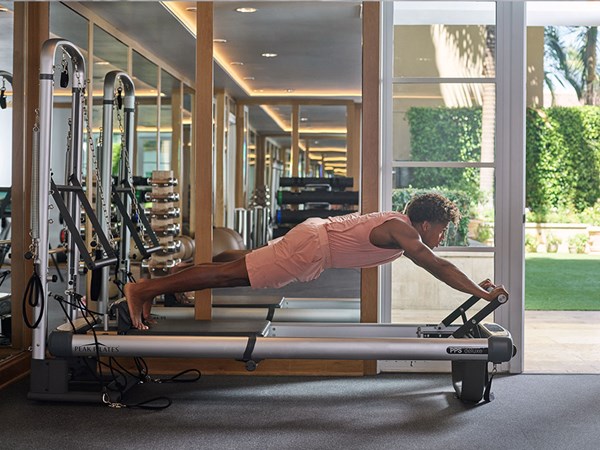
pixel 443 120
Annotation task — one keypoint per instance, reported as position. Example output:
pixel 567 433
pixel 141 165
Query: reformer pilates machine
pixel 470 347
pixel 121 193
pixel 49 374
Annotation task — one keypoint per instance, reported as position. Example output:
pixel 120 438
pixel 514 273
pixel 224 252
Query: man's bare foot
pixel 136 304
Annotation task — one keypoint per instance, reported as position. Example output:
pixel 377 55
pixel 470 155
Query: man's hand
pixel 495 293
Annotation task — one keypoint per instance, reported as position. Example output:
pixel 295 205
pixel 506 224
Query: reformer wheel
pixel 469 379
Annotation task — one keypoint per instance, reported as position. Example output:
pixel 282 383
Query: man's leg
pixel 140 295
pixel 230 255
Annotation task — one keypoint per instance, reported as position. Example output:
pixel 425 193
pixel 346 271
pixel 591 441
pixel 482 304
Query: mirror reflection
pixel 6 95
pixel 266 130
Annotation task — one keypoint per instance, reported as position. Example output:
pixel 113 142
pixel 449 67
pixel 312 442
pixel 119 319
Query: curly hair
pixel 432 207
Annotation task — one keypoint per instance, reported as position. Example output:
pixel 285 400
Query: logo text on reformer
pixel 466 351
pixel 87 348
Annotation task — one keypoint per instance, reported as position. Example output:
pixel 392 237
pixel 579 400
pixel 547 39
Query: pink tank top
pixel 349 243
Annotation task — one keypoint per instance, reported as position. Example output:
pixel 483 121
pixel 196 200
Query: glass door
pixel 454 121
pixel 562 229
pixel 444 106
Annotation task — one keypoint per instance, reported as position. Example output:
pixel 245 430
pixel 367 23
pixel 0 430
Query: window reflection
pixel 145 77
pixel 169 119
pixel 6 122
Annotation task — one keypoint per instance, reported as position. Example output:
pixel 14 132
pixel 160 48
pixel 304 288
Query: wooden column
pixel 295 139
pixel 353 137
pixel 240 156
pixel 219 207
pixel 306 158
pixel 369 187
pixel 351 148
pixel 177 142
pixel 31 30
pixel 261 149
pixel 204 142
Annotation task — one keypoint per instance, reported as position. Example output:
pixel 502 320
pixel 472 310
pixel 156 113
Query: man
pixel 350 241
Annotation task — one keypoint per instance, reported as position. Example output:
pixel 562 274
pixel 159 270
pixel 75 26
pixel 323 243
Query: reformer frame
pixel 69 198
pixel 52 378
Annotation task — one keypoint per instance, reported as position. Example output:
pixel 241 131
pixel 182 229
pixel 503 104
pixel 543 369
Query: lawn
pixel 562 282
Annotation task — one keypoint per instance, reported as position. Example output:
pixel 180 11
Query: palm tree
pixel 571 57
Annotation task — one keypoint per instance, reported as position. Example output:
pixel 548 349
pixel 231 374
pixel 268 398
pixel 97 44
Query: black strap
pixel 488 395
pixel 270 314
pixel 153 403
pixel 249 349
pixel 177 378
pixel 33 296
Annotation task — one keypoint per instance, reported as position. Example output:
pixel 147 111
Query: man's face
pixel 433 234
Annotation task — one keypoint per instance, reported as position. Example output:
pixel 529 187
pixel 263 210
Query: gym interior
pixel 143 135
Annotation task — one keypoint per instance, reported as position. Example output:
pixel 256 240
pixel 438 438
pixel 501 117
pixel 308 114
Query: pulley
pixel 64 73
pixel 3 95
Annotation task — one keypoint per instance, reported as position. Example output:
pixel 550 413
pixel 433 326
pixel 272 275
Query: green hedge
pixel 456 236
pixel 562 160
pixel 445 134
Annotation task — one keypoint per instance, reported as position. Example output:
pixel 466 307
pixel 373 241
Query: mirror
pixel 109 54
pixel 6 90
pixel 187 144
pixel 311 129
pixel 65 24
pixel 145 77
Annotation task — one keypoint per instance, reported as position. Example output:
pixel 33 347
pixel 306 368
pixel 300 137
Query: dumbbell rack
pixel 163 215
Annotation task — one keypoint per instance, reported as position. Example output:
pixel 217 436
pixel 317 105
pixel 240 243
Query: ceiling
pixel 318 47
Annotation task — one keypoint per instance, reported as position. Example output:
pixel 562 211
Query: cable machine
pixel 470 347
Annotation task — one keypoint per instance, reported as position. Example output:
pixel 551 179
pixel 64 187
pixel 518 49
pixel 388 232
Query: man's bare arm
pixel 407 238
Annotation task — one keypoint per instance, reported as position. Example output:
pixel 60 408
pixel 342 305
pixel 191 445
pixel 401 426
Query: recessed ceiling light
pixel 220 41
pixel 259 90
pixel 290 90
pixel 236 63
pixel 190 8
pixel 303 119
pixel 249 78
pixel 246 10
pixel 269 55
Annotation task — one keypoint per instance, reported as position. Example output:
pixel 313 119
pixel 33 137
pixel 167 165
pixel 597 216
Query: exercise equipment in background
pixel 299 199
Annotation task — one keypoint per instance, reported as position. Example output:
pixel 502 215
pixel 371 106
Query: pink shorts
pixel 301 255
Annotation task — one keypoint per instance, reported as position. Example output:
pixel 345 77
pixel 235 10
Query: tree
pixel 571 57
